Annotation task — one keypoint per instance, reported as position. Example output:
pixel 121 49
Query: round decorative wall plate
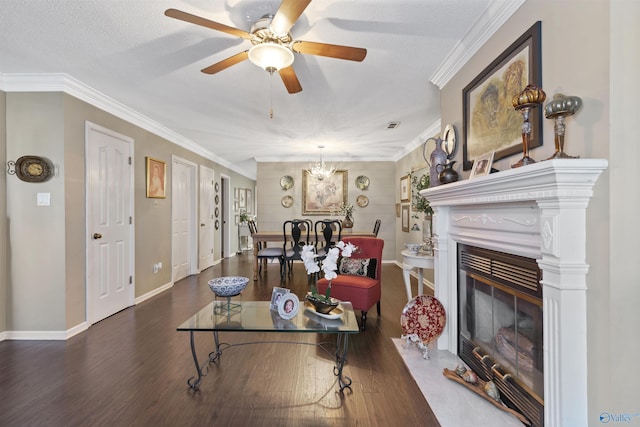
pixel 286 182
pixel 362 201
pixel 362 182
pixel 217 188
pixel 217 199
pixel 425 317
pixel 217 225
pixel 449 140
pixel 217 212
pixel 287 201
pixel 33 169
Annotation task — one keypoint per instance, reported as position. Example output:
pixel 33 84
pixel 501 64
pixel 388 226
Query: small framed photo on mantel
pixel 482 165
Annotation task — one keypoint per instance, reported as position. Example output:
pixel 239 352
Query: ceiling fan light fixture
pixel 271 56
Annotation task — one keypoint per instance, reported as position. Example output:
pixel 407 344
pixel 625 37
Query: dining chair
pixel 376 227
pixel 296 235
pixel 359 276
pixel 265 253
pixel 324 231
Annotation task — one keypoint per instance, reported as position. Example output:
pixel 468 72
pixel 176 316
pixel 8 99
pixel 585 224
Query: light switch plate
pixel 44 199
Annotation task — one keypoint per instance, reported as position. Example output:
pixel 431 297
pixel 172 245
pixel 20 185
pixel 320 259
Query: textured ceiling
pixel 130 51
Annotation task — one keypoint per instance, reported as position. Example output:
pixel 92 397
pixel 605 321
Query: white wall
pixel 618 345
pixel 36 267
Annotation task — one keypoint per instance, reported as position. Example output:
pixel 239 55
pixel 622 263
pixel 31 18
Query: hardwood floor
pixel 131 368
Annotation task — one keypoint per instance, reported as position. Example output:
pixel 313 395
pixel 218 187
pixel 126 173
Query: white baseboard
pixel 153 293
pixel 44 335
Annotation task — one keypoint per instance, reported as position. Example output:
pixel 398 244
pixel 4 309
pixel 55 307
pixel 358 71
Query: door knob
pixel 97 236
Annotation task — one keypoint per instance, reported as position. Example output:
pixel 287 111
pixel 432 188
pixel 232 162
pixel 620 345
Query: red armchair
pixel 362 286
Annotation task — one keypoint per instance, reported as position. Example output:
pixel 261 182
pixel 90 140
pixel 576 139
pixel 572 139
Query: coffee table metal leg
pixel 342 345
pixel 195 383
pixel 214 355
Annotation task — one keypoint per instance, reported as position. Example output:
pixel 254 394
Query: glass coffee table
pixel 256 316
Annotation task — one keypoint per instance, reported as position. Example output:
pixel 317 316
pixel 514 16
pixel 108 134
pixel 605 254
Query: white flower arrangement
pixel 344 210
pixel 329 264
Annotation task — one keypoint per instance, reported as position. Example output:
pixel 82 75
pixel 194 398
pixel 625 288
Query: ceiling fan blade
pixel 329 50
pixel 290 79
pixel 287 15
pixel 198 20
pixel 226 63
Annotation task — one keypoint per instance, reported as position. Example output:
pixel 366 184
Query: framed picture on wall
pixel 490 123
pixel 323 197
pixel 249 201
pixel 156 178
pixel 405 189
pixel 405 218
pixel 242 198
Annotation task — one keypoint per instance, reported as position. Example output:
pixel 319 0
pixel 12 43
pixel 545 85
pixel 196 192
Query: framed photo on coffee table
pixel 276 296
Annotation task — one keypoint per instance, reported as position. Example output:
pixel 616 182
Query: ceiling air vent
pixel 393 125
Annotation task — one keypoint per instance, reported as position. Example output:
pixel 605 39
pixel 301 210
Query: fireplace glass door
pixel 500 316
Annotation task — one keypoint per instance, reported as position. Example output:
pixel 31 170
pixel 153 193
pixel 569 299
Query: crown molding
pixel 498 12
pixel 429 132
pixel 60 82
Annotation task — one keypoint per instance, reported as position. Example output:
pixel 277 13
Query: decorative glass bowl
pixel 228 286
pixel 322 306
pixel 414 247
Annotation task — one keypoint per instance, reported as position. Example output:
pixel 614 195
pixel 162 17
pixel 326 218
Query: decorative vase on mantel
pixel 347 222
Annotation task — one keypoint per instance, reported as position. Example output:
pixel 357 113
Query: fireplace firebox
pixel 500 325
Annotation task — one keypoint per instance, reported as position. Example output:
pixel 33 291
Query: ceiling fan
pixel 273 46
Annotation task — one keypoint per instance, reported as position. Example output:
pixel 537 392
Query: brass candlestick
pixel 558 108
pixel 530 97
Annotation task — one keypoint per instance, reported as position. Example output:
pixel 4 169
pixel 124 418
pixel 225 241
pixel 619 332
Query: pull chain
pixel 271 96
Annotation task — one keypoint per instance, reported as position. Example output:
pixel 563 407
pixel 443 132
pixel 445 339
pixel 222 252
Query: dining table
pixel 278 237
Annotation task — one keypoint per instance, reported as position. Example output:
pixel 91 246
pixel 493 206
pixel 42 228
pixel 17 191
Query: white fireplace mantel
pixel 537 211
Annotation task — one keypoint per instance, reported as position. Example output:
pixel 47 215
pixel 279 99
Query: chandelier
pixel 319 170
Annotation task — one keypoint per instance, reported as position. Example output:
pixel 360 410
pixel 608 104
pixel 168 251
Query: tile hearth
pixel 452 404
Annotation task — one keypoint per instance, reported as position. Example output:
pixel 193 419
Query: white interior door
pixel 109 282
pixel 225 240
pixel 183 234
pixel 207 213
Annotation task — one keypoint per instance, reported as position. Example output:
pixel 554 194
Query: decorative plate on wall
pixel 362 201
pixel 217 224
pixel 286 182
pixel 217 212
pixel 33 169
pixel 287 201
pixel 217 199
pixel 449 140
pixel 217 188
pixel 362 182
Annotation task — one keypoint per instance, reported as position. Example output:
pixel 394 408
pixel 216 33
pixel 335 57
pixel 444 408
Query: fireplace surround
pixel 538 212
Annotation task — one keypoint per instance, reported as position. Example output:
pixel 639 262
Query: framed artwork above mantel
pixel 490 123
